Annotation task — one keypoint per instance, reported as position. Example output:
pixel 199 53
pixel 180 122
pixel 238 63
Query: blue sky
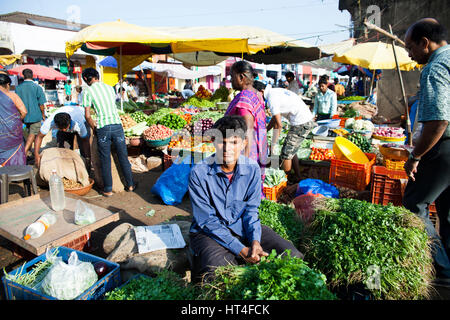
pixel 299 19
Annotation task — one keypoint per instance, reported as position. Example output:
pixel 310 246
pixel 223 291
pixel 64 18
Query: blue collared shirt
pixel 434 91
pixel 325 103
pixel 221 208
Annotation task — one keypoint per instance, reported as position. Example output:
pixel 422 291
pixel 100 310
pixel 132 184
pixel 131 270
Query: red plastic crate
pixel 387 188
pixel 351 175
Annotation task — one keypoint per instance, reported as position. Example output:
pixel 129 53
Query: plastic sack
pixel 317 186
pixel 66 281
pixel 172 185
pixel 83 214
pixel 304 206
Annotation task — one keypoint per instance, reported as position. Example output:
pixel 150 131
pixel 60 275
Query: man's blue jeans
pixel 113 135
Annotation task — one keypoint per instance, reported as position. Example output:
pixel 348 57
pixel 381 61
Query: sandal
pixel 127 189
pixel 107 195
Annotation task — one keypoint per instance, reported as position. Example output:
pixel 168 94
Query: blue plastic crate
pixel 110 281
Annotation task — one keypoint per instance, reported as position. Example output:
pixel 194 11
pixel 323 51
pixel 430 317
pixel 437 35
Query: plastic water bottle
pixel 36 229
pixel 57 192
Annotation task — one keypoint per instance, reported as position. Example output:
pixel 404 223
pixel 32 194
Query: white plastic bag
pixel 83 214
pixel 66 281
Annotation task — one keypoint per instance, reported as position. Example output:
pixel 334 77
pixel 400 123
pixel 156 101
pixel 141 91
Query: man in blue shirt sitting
pixel 225 192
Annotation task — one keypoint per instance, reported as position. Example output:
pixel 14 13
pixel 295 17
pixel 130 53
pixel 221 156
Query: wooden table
pixel 15 216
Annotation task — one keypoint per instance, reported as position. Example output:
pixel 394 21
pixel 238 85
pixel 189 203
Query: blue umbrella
pixel 109 61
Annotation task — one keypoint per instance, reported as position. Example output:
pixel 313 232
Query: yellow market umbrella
pixel 264 46
pixel 131 44
pixel 376 55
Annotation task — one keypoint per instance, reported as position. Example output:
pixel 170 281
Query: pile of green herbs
pixel 33 278
pixel 166 285
pixel 282 219
pixel 279 277
pixel 348 239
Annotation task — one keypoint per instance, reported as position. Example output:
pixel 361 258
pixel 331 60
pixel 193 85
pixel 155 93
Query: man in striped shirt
pixel 108 129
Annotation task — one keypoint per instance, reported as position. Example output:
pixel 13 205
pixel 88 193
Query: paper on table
pixel 158 237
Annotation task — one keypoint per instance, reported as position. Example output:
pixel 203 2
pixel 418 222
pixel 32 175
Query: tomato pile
pixel 321 154
pixel 157 132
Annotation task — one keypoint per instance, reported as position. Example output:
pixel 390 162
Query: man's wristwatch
pixel 411 157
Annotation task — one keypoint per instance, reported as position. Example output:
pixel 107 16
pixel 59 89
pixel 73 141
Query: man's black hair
pixel 258 85
pixel 230 126
pixel 27 74
pixel 89 74
pixel 4 79
pixel 323 81
pixel 289 74
pixel 62 120
pixel 433 31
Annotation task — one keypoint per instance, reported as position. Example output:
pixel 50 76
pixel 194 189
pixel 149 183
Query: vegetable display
pixel 203 93
pixel 279 277
pixel 139 116
pixel 157 132
pixel 282 219
pixel 137 130
pixel 213 115
pixel 158 115
pixel 350 113
pixel 173 121
pixel 349 238
pixel 353 98
pixel 220 95
pixel 274 177
pixel 127 121
pixel 199 103
pixel 33 278
pixel 363 125
pixel 167 285
pixel 392 132
pixel 202 125
pixel 320 154
pixel 361 142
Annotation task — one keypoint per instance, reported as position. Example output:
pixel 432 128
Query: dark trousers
pixel 323 117
pixel 62 137
pixel 432 184
pixel 106 137
pixel 208 254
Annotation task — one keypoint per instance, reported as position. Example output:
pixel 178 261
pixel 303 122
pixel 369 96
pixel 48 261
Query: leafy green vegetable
pixel 199 103
pixel 348 238
pixel 220 95
pixel 274 177
pixel 167 285
pixel 282 219
pixel 275 278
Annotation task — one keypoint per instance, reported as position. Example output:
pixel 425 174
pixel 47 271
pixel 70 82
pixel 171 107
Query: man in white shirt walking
pixel 293 84
pixel 285 103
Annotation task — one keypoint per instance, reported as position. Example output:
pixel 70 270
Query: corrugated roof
pixel 42 21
